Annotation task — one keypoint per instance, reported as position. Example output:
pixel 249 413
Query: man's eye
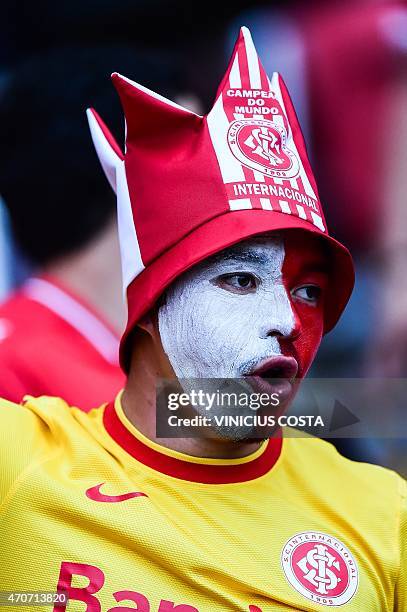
pixel 239 283
pixel 308 293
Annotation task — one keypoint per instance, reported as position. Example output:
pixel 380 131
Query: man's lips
pixel 276 367
pixel 274 375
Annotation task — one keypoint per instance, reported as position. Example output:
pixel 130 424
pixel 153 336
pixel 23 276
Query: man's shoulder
pixel 34 431
pixel 344 479
pixel 38 424
pixel 23 442
pixel 41 414
pixel 29 425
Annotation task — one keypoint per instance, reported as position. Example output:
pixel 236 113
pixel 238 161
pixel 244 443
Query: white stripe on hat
pixel 234 77
pixel 132 263
pixel 266 204
pixel 301 212
pixel 218 125
pixel 317 220
pixel 240 204
pixel 109 160
pixel 285 207
pixel 252 60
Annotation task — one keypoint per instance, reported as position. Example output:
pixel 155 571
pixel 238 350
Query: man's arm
pixel 20 447
pixel 400 601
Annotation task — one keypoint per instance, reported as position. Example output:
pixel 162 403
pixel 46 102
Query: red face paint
pixel 305 264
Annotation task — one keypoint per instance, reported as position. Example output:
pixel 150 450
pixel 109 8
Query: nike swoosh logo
pixel 95 494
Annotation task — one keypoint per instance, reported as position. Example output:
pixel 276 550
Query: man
pixel 60 329
pixel 229 273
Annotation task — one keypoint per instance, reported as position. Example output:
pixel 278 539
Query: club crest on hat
pixel 320 567
pixel 261 145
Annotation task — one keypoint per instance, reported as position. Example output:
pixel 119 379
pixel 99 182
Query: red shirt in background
pixel 51 343
pixel 356 55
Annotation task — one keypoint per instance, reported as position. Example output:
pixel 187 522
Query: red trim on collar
pixel 185 470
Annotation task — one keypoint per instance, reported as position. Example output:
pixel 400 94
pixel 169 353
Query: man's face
pixel 255 309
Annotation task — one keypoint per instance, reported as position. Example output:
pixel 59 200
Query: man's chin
pixel 243 434
pixel 243 408
pixel 235 434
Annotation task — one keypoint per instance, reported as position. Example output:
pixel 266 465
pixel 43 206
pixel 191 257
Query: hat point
pixel 107 149
pixel 115 76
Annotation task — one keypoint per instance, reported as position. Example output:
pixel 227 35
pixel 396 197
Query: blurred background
pixel 345 64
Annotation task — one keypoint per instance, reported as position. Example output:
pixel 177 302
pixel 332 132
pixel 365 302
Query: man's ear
pixel 149 323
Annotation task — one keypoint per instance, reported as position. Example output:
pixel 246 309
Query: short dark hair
pixel 50 179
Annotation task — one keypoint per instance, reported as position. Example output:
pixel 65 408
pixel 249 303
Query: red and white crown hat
pixel 188 186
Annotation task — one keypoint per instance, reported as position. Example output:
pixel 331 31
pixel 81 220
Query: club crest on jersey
pixel 260 145
pixel 320 567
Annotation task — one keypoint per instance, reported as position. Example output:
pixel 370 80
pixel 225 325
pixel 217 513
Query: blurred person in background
pixel 357 70
pixel 59 332
pixel 357 67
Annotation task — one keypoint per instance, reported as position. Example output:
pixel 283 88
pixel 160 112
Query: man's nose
pixel 279 319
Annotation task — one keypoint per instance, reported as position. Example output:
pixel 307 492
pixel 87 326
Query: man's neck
pixel 139 406
pixel 93 274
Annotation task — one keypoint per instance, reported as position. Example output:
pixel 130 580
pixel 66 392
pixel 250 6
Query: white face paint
pixel 210 328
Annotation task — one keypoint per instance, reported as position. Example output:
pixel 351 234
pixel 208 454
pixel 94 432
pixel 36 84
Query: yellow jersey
pixel 91 509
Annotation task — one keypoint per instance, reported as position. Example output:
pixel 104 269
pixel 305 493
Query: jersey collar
pixel 186 467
